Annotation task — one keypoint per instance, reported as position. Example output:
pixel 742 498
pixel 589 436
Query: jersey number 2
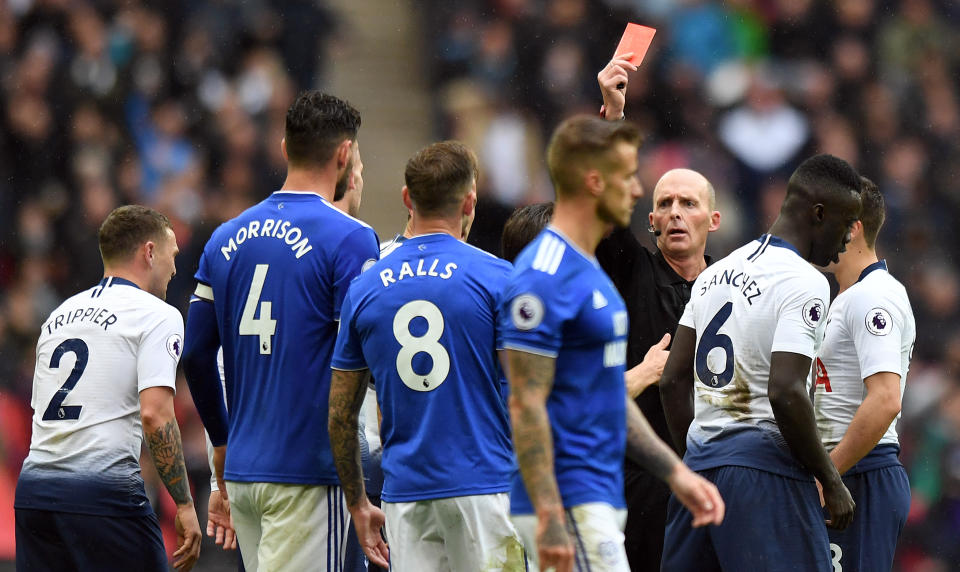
pixel 264 326
pixel 712 340
pixel 428 343
pixel 55 410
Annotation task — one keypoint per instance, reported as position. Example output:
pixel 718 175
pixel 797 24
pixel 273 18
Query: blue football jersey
pixel 277 275
pixel 559 303
pixel 424 321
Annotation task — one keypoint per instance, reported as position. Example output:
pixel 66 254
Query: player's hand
pixel 614 74
pixel 368 520
pixel 188 537
pixel 839 504
pixel 649 371
pixel 219 523
pixel 554 548
pixel 699 495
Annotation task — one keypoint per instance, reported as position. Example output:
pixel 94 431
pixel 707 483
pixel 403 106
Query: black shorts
pixel 49 540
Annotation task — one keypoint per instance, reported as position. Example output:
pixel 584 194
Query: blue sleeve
pixel 356 250
pixel 200 345
pixel 348 351
pixel 203 270
pixel 534 310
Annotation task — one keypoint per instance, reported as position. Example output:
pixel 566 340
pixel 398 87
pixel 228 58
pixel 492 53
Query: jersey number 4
pixel 264 326
pixel 56 410
pixel 428 343
pixel 711 343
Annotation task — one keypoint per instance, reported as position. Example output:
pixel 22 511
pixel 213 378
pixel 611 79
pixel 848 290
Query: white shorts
pixel 458 533
pixel 596 530
pixel 289 527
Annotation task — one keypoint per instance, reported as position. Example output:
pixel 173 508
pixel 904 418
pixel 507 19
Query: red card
pixel 636 39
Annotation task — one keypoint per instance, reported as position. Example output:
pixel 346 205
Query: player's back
pixel 561 304
pixel 870 329
pixel 277 274
pixel 96 352
pixel 425 320
pixel 762 298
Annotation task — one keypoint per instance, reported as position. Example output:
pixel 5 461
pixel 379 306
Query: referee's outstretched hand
pixel 188 537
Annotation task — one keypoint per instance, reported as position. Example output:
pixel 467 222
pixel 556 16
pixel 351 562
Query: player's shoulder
pixel 877 290
pixel 340 218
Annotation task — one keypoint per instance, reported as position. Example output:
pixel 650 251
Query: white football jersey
pixel 760 299
pixel 870 329
pixel 95 354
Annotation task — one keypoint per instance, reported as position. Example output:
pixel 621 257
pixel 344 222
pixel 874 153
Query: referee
pixel 656 287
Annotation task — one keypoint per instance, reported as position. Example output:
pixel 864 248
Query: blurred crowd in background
pixel 180 104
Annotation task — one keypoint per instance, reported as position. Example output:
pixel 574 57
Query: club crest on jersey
pixel 599 300
pixel 175 346
pixel 526 310
pixel 878 322
pixel 813 312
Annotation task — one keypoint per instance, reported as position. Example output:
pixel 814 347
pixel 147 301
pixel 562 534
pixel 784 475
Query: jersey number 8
pixel 428 343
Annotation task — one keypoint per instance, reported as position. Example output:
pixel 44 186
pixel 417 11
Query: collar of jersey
pixel 429 236
pixel 108 281
pixel 878 265
pixel 566 239
pixel 291 194
pixel 777 241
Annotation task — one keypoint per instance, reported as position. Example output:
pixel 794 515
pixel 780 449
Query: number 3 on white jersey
pixel 264 326
pixel 428 343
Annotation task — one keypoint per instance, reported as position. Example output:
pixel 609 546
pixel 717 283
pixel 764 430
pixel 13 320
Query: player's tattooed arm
pixel 644 446
pixel 347 389
pixel 676 387
pixel 531 380
pixel 163 441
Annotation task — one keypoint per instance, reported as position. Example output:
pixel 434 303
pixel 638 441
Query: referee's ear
pixel 714 221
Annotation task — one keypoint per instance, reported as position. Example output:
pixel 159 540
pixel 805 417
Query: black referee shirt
pixel 655 296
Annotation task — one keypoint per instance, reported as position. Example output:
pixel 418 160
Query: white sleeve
pixel 213 473
pixel 801 315
pixel 160 348
pixel 875 321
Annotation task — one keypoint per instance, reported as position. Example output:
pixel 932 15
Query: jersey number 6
pixel 711 342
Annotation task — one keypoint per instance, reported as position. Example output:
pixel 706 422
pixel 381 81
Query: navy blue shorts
pixel 883 501
pixel 66 541
pixel 772 523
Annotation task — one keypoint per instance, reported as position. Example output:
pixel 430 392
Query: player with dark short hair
pixel 269 288
pixel 861 373
pixel 735 393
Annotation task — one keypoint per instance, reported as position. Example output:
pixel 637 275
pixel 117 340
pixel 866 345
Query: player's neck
pixel 420 226
pixel 578 221
pixel 687 266
pixel 320 181
pixel 856 260
pixel 138 278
